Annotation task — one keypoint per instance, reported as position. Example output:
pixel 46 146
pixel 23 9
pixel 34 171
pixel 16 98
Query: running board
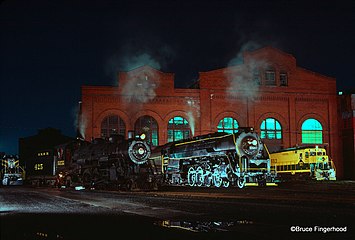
pixel 256 184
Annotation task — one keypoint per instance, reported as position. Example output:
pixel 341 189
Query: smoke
pixel 82 126
pixel 80 121
pixel 194 107
pixel 243 81
pixel 134 61
pixel 135 54
pixel 140 86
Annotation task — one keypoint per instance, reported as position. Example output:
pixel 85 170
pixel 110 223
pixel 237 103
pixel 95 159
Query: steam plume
pixel 194 108
pixel 242 81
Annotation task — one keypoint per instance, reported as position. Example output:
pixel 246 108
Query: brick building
pixel 347 131
pixel 288 105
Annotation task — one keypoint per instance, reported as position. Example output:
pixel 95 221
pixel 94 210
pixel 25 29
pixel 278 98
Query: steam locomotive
pixel 212 160
pixel 215 160
pixel 105 163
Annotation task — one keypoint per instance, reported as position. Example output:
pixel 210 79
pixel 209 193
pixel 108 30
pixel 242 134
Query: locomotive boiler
pixel 107 163
pixel 218 159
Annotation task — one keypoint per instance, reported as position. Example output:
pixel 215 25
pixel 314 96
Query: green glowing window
pixel 228 125
pixel 270 128
pixel 312 131
pixel 149 126
pixel 178 128
pixel 112 125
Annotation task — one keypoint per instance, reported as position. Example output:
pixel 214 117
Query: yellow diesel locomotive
pixel 302 163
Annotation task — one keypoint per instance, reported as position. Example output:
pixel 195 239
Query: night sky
pixel 50 48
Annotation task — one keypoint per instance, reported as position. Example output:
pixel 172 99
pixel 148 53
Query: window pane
pixel 312 137
pixel 270 123
pixel 270 128
pixel 311 124
pixel 112 125
pixel 228 124
pixel 178 128
pixel 262 134
pixel 283 79
pixel 178 135
pixel 312 131
pixel 270 77
pixel 278 135
pixel 170 135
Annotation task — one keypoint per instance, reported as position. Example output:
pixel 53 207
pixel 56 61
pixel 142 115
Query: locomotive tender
pixel 218 159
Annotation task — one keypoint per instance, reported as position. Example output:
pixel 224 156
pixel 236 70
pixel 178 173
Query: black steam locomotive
pixel 219 159
pixel 106 163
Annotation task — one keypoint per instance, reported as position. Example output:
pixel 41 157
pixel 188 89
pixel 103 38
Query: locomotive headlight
pixel 142 136
pixel 254 142
pixel 141 151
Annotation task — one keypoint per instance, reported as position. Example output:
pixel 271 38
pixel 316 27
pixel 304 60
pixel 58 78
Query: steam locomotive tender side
pixel 115 163
pixel 219 159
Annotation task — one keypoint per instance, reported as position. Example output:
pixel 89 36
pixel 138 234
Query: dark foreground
pixel 299 211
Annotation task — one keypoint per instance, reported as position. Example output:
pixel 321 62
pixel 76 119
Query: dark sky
pixel 49 49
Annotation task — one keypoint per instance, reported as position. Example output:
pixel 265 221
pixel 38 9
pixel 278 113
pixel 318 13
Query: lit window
pixel 178 128
pixel 149 126
pixel 270 78
pixel 270 128
pixel 228 125
pixel 312 131
pixel 112 125
pixel 283 79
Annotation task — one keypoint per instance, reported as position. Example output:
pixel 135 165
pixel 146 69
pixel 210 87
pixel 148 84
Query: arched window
pixel 178 128
pixel 112 124
pixel 149 126
pixel 228 125
pixel 270 128
pixel 312 131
